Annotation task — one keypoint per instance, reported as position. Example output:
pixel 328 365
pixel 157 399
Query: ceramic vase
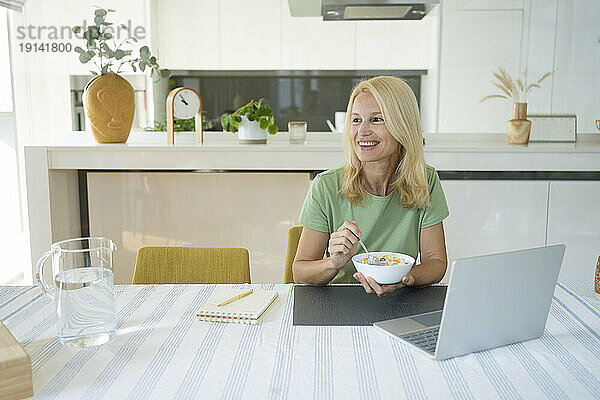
pixel 249 132
pixel 519 127
pixel 109 105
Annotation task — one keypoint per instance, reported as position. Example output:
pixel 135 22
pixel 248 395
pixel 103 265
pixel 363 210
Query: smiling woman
pixel 385 194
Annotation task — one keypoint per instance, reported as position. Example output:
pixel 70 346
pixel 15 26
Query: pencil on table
pixel 234 298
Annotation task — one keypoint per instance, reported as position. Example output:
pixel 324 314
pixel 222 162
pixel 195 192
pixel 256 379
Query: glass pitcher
pixel 83 290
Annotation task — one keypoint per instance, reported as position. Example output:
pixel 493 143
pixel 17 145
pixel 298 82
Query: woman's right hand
pixel 343 243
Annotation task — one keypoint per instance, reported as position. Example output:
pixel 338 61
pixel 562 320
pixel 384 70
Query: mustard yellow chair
pixel 292 246
pixel 178 264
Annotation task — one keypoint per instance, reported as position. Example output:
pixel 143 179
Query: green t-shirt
pixel 385 224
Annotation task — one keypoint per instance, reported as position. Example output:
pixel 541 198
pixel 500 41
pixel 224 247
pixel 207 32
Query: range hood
pixel 357 10
pixel 345 10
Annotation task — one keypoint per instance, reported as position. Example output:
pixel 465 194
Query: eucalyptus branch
pixel 119 67
pixel 95 63
pixel 97 38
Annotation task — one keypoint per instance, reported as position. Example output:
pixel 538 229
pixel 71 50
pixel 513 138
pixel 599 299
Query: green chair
pixel 181 264
pixel 292 246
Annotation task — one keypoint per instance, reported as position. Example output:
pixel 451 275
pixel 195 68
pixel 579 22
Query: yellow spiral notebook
pixel 246 310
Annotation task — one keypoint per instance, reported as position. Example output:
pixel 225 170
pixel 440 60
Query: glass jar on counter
pixel 297 131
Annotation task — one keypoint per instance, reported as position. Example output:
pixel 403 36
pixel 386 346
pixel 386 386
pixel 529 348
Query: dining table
pixel 162 351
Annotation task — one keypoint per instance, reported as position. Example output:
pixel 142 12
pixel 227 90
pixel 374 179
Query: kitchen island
pixel 501 197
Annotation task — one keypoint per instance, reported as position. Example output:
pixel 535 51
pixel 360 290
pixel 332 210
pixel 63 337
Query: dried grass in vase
pixel 515 90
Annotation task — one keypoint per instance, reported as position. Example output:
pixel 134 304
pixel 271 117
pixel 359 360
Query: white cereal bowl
pixel 383 274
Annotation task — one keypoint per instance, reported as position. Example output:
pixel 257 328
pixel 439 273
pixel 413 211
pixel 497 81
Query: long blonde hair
pixel 401 115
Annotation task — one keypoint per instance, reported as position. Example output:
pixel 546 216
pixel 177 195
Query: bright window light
pixel 6 104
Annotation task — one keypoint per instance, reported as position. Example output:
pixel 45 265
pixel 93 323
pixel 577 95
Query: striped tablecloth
pixel 162 351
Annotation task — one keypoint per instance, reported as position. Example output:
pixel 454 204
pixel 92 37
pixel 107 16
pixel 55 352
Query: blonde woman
pixel 385 194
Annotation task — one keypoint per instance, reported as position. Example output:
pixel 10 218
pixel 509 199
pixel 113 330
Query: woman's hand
pixel 382 290
pixel 343 244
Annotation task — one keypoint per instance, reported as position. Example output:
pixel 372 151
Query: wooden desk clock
pixel 184 103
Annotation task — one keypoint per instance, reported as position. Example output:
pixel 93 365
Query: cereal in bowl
pixel 388 260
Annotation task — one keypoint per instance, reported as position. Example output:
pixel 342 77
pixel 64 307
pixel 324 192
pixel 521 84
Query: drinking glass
pixel 297 131
pixel 83 289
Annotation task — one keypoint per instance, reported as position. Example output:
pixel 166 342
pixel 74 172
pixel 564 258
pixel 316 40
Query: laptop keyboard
pixel 425 339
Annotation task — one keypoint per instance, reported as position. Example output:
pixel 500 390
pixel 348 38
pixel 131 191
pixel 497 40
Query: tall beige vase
pixel 109 104
pixel 519 127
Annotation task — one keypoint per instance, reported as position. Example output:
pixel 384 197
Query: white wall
pixel 6 105
pixel 13 242
pixel 541 35
pixel 12 233
pixel 473 42
pixel 576 85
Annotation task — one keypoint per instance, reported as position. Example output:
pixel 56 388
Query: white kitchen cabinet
pixel 540 53
pixel 213 35
pixel 394 44
pixel 240 35
pixel 251 210
pixel 574 219
pixel 249 33
pixel 311 43
pixel 452 5
pixel 575 84
pixel 187 34
pixel 489 217
pixel 473 43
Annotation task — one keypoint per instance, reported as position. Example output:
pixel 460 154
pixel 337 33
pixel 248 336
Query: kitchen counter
pixel 466 152
pixel 516 182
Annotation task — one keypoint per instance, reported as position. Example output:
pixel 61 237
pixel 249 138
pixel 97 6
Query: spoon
pixel 371 259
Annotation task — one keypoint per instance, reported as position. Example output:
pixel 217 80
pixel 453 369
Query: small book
pixel 247 310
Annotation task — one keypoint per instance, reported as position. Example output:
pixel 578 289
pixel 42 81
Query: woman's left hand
pixel 382 290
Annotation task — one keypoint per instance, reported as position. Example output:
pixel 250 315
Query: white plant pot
pixel 249 132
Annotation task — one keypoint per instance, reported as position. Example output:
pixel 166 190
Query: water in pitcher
pixel 85 305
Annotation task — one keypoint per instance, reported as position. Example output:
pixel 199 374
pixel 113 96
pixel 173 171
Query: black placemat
pixel 351 305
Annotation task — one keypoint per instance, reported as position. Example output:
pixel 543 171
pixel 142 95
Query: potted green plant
pixel 182 125
pixel 252 120
pixel 516 91
pixel 108 98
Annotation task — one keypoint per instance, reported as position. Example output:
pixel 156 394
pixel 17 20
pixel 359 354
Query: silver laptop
pixel 491 301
